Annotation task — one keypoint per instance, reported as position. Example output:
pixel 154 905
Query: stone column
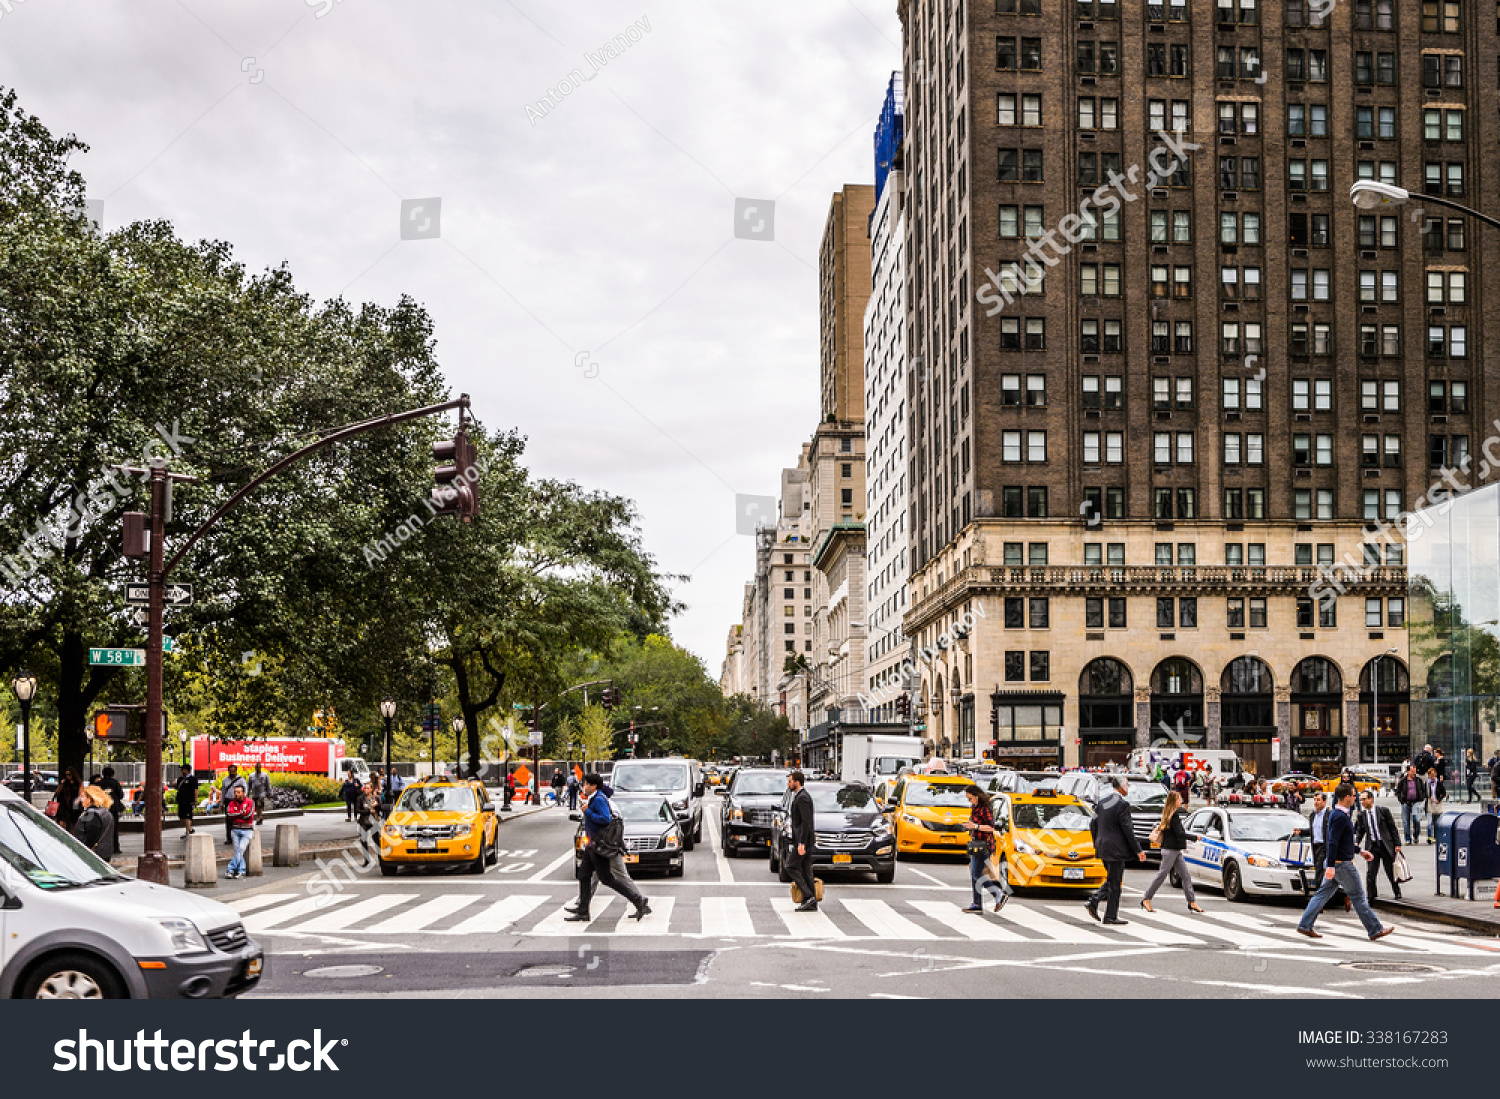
pixel 1351 726
pixel 1143 717
pixel 1284 726
pixel 1212 719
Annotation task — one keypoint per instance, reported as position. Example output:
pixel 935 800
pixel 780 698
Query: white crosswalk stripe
pixel 341 919
pixel 1157 936
pixel 430 912
pixel 242 905
pixel 500 915
pixel 1205 928
pixel 268 918
pixel 1048 928
pixel 882 920
pixel 654 923
pixel 554 923
pixel 805 925
pixel 980 927
pixel 728 917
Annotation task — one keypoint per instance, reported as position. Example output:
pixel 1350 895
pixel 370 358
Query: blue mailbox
pixel 1476 855
pixel 1447 860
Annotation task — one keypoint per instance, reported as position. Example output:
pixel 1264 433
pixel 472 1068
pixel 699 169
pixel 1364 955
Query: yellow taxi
pixel 1043 841
pixel 1361 783
pixel 441 821
pixel 930 811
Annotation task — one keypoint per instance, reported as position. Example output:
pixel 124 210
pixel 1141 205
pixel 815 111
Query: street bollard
pixel 253 863
pixel 200 870
pixel 288 851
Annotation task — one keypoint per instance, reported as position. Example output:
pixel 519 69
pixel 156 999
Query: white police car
pixel 1246 850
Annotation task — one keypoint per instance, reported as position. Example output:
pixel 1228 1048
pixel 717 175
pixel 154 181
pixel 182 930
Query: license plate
pixel 843 858
pixel 426 845
pixel 953 839
pixel 1072 873
pixel 632 858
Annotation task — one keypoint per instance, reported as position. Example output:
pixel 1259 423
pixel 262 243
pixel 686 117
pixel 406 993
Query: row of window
pixel 1252 554
pixel 1437 16
pixel 1171 504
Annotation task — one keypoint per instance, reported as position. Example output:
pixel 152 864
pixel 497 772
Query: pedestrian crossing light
pixel 456 491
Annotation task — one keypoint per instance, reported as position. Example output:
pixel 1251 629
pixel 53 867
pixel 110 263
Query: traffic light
pixel 457 488
pixel 609 698
pixel 137 542
pixel 112 725
pixel 903 706
pixel 994 723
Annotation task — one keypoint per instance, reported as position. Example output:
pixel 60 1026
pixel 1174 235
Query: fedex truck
pixel 292 755
pixel 1224 764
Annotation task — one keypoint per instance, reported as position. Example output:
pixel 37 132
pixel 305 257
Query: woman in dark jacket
pixel 1173 832
pixel 95 827
pixel 981 847
pixel 66 796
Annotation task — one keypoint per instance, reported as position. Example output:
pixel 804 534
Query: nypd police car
pixel 1248 850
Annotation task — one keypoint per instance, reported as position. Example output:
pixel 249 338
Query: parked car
pixel 678 780
pixel 749 807
pixel 71 928
pixel 41 782
pixel 850 831
pixel 653 835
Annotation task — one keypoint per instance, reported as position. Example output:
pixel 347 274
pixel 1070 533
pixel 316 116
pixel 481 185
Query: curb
pixel 1483 925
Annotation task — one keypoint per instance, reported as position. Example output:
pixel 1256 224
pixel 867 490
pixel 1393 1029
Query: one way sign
pixel 176 595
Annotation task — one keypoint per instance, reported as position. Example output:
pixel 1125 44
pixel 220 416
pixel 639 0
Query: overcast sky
pixel 587 284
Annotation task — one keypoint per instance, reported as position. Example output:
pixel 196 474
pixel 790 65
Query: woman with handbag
pixel 981 849
pixel 1171 833
pixel 65 801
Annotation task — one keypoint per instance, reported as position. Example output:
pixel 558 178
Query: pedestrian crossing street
pixel 539 912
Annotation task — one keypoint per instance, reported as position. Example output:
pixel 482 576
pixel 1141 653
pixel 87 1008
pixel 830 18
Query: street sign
pixel 138 595
pixel 175 595
pixel 140 617
pixel 520 705
pixel 536 739
pixel 118 658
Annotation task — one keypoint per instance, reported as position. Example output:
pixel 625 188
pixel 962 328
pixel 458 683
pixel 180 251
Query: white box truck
pixel 870 757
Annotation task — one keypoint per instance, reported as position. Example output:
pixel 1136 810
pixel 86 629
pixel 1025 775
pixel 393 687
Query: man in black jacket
pixel 1375 830
pixel 800 859
pixel 1114 843
pixel 1342 871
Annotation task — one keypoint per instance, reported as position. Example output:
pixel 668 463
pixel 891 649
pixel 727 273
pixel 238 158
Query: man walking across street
pixel 802 843
pixel 1115 844
pixel 1341 871
pixel 1319 821
pixel 260 793
pixel 1376 830
pixel 1411 792
pixel 605 852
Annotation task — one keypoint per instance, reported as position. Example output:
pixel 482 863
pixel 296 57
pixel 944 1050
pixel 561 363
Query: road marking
pixel 1200 926
pixel 656 923
pixel 554 926
pixel 726 916
pixel 716 839
pixel 541 875
pixel 929 877
pixel 805 925
pixel 243 905
pixel 1045 925
pixel 500 915
pixel 1156 935
pixel 884 921
pixel 262 921
pixel 344 918
pixel 429 912
pixel 967 924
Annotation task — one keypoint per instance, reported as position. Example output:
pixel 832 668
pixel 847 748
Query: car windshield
pixel 1146 795
pixel 1021 782
pixel 437 799
pixel 890 765
pixel 842 799
pixel 1059 817
pixel 651 778
pixel 1266 827
pixel 638 809
pixel 761 782
pixel 936 794
pixel 44 854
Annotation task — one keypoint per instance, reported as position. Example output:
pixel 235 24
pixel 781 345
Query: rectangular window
pixel 1093 611
pixel 1037 615
pixel 1041 667
pixel 1117 613
pixel 1015 667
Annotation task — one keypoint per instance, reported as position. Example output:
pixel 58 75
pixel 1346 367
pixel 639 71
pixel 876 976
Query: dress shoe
pixel 1193 907
pixel 1309 932
pixel 1000 903
pixel 1397 894
pixel 1092 908
pixel 577 917
pixel 1382 933
pixel 810 905
pixel 1114 921
pixel 571 908
pixel 642 911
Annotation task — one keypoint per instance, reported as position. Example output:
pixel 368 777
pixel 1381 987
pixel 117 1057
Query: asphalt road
pixel 726 929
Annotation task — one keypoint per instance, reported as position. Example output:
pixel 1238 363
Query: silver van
pixel 678 780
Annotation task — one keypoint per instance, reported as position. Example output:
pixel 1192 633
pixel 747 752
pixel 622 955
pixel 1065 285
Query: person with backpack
pixel 95 826
pixel 572 791
pixel 605 853
pixel 187 799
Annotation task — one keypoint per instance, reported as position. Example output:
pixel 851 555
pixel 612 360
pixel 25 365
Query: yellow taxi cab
pixel 930 811
pixel 1361 783
pixel 441 821
pixel 1043 841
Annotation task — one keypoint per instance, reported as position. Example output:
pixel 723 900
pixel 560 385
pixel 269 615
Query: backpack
pixel 611 838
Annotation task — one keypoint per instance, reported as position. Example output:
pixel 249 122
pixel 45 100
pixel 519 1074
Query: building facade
pixel 1164 376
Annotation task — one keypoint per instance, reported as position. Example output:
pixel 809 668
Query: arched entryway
pixel 1317 717
pixel 1247 714
pixel 1384 709
pixel 1106 712
pixel 1177 703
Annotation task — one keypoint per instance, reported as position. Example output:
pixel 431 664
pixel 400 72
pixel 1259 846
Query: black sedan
pixel 849 831
pixel 750 802
pixel 653 835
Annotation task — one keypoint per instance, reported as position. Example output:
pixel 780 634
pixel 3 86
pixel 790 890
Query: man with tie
pixel 1341 871
pixel 1375 828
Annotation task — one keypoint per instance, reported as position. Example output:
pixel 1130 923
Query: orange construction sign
pixel 523 775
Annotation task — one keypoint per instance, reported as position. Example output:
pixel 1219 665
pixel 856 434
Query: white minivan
pixel 72 928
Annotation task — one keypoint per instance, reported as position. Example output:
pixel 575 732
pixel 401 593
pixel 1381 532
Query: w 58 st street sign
pixel 124 658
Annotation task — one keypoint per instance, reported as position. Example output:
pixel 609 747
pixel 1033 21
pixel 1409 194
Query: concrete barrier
pixel 288 850
pixel 254 865
pixel 200 871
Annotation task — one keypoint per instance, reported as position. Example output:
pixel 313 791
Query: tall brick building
pixel 1133 444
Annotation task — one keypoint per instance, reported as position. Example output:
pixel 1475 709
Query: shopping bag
pixel 1401 867
pixel 817 888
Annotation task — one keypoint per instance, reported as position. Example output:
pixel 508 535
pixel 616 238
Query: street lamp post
pixel 1369 194
pixel 182 738
pixel 25 687
pixel 387 711
pixel 458 747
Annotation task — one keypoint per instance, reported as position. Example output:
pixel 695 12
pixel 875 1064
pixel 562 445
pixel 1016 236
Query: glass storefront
pixel 1453 562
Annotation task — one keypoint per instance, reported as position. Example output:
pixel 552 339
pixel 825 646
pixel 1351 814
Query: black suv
pixel 654 839
pixel 750 801
pixel 849 831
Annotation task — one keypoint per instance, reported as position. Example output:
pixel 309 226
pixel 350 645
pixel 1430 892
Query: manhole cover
pixel 545 971
pixel 1392 967
pixel 336 971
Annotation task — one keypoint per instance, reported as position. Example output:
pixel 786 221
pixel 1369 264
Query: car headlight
pixel 680 805
pixel 881 826
pixel 918 821
pixel 736 814
pixel 1024 848
pixel 1264 861
pixel 463 828
pixel 185 936
pixel 393 830
pixel 672 841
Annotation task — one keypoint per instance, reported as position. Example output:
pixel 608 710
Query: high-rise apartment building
pixel 1164 375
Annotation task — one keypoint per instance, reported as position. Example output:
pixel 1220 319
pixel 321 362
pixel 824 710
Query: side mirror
pixel 575 816
pixel 698 790
pixel 488 807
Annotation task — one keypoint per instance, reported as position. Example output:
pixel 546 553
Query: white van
pixel 678 780
pixel 1224 764
pixel 72 928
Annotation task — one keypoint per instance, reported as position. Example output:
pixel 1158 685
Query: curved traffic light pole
pixel 153 862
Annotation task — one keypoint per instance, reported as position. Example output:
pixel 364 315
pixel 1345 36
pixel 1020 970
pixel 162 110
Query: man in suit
pixel 1114 843
pixel 1375 829
pixel 1319 821
pixel 800 860
pixel 1342 871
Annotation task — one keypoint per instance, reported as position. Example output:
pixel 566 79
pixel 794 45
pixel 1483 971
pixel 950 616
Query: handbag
pixel 1155 836
pixel 977 847
pixel 1401 867
pixel 52 808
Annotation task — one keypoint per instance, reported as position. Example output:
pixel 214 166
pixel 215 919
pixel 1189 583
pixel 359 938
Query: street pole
pixel 1375 713
pixel 26 748
pixel 387 711
pixel 152 865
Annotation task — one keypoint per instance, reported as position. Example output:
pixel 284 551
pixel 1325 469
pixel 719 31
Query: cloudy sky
pixel 585 276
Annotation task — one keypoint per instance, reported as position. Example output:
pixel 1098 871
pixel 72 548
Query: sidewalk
pixel 1420 897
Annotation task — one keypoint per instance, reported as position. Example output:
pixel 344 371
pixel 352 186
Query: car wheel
pixel 388 869
pixel 698 832
pixel 73 977
pixel 689 841
pixel 492 855
pixel 774 862
pixel 1234 885
pixel 783 872
pixel 885 877
pixel 1003 869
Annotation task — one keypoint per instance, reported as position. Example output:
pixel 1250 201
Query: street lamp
pixel 387 711
pixel 458 747
pixel 25 687
pixel 182 738
pixel 1368 194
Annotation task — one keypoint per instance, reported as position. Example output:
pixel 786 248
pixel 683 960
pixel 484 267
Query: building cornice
pixel 835 531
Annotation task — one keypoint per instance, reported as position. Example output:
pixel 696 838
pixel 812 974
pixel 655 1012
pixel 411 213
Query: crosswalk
pixel 540 913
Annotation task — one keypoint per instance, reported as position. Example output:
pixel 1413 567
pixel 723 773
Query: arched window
pixel 1442 680
pixel 1317 676
pixel 1391 678
pixel 1105 676
pixel 1245 698
pixel 1106 695
pixel 1176 696
pixel 1176 676
pixel 1246 676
